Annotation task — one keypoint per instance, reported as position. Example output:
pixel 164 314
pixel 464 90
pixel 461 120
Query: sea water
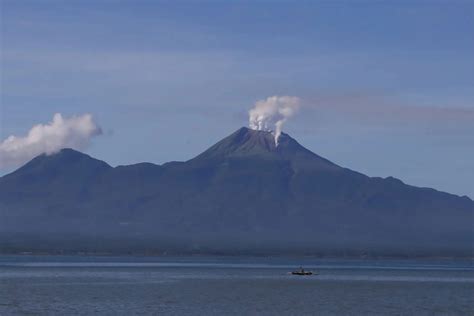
pixel 86 285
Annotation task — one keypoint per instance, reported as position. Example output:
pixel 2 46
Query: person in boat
pixel 301 271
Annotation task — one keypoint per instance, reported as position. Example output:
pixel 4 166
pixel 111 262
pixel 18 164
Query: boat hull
pixel 301 273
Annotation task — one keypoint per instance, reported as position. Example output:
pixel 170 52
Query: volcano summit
pixel 245 194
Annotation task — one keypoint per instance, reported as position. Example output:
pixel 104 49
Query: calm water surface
pixel 61 285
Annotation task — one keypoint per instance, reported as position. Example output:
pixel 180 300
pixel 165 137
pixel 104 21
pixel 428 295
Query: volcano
pixel 245 194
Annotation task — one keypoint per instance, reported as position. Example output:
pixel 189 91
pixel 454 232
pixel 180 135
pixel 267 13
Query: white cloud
pixel 270 114
pixel 74 132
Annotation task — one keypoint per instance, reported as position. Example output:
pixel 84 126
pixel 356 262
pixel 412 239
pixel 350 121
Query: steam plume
pixel 74 132
pixel 272 113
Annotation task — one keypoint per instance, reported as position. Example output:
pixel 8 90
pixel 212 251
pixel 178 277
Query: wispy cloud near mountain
pixel 74 132
pixel 382 110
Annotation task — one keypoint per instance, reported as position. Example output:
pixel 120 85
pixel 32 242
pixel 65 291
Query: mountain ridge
pixel 244 193
pixel 205 154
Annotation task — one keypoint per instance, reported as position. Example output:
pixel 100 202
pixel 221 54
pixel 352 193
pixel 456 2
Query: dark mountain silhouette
pixel 242 195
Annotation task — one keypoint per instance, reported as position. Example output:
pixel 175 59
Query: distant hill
pixel 242 195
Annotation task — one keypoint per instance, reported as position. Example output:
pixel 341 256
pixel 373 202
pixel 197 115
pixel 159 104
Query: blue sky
pixel 387 87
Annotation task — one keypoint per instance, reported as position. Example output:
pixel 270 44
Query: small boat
pixel 301 271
